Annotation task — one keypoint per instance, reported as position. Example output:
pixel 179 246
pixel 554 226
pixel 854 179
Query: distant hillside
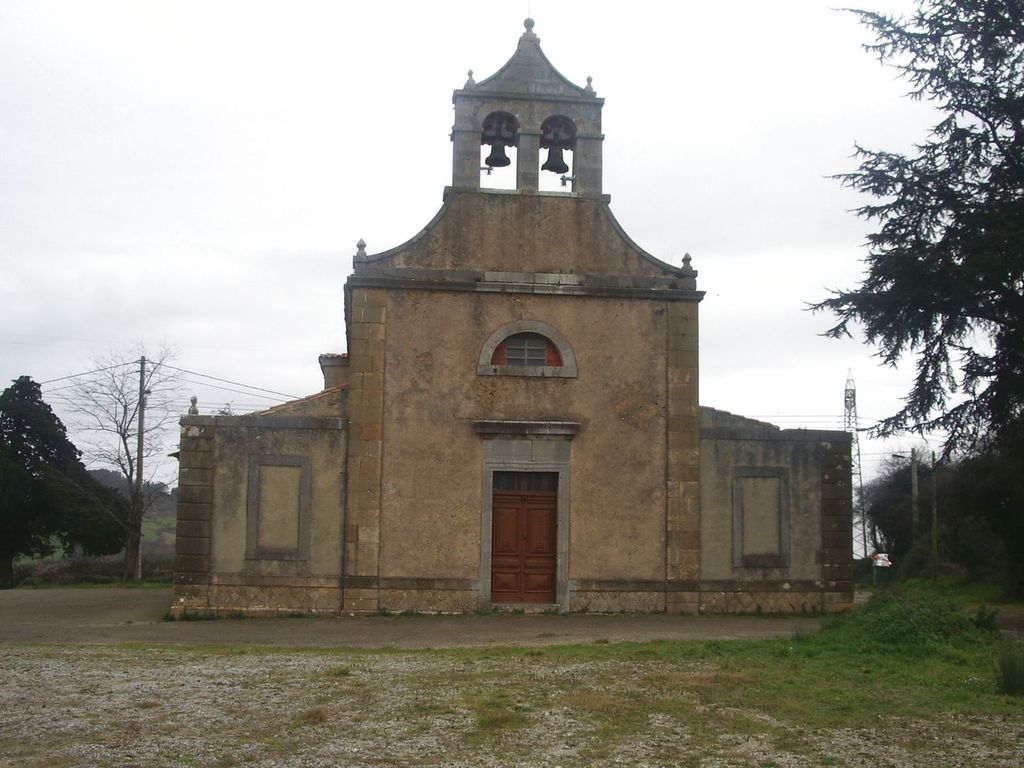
pixel 160 520
pixel 116 481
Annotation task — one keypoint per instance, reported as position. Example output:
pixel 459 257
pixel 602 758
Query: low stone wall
pixel 226 599
pixel 617 602
pixel 428 600
pixel 719 601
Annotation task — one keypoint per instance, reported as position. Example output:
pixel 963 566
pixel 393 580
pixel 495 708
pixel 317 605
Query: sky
pixel 198 173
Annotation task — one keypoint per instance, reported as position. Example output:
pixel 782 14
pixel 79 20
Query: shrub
pixel 899 621
pixel 1010 668
pixel 986 619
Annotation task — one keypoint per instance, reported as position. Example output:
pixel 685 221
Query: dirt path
pixel 136 616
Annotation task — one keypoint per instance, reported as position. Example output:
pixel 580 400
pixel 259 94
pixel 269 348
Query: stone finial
pixel 686 261
pixel 470 82
pixel 193 409
pixel 528 34
pixel 589 88
pixel 360 250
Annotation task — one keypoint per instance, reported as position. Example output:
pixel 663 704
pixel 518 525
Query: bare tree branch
pixel 106 407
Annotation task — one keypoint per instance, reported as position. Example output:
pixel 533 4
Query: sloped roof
pixel 302 403
pixel 529 72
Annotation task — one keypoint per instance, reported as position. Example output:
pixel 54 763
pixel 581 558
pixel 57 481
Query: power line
pixel 87 373
pixel 809 416
pixel 229 381
pixel 51 392
pixel 229 389
pixel 184 404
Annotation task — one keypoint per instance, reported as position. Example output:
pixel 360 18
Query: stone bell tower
pixel 530 106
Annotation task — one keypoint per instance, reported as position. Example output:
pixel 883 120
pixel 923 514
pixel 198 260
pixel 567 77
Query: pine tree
pixel 46 495
pixel 945 266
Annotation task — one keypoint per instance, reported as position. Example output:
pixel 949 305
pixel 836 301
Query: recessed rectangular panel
pixel 761 515
pixel 506 586
pixel 540 529
pixel 539 582
pixel 505 531
pixel 279 504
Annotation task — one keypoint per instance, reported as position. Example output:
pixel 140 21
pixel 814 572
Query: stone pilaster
pixel 836 526
pixel 682 517
pixel 366 407
pixel 195 508
pixel 528 161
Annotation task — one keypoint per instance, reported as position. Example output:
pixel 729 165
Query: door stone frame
pixel 526 446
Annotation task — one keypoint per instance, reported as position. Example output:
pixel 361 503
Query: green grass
pixel 152 527
pixel 1010 668
pixel 956 589
pixel 497 712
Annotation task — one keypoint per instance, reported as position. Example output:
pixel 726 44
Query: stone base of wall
pixel 255 601
pixel 837 602
pixel 712 602
pixel 686 603
pixel 428 601
pixel 221 599
pixel 189 598
pixel 616 602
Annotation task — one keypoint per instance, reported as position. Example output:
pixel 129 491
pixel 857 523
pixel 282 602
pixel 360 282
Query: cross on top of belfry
pixel 523 108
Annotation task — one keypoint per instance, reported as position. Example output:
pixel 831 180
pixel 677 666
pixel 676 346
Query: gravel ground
pixel 78 689
pixel 142 707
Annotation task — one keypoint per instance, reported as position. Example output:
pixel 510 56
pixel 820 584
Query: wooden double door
pixel 523 537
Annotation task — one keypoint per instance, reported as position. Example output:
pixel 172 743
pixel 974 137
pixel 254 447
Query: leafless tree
pixel 106 404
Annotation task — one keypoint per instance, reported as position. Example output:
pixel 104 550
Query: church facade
pixel 516 421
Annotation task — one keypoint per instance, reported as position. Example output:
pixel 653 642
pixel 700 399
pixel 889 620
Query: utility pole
pixel 915 507
pixel 935 519
pixel 137 506
pixel 915 497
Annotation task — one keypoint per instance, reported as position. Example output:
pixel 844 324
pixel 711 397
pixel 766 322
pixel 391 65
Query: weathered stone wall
pixel 335 370
pixel 501 232
pixel 432 463
pixel 419 318
pixel 775 517
pixel 259 511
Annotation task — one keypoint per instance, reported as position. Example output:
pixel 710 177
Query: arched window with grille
pixel 527 348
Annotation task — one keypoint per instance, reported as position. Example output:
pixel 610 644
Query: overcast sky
pixel 199 172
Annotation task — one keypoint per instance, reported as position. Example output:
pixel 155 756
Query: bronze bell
pixel 497 158
pixel 555 163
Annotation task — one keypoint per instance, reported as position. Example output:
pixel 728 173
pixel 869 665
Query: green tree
pixel 945 266
pixel 987 493
pixel 46 495
pixel 887 505
pixel 980 502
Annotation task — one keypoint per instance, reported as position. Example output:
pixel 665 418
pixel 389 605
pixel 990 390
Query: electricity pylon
pixel 860 524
